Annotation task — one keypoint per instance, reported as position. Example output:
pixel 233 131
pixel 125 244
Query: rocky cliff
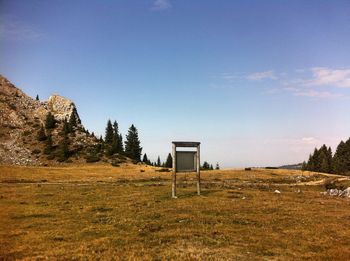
pixel 21 118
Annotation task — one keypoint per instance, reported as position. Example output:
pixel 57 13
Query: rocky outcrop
pixel 20 118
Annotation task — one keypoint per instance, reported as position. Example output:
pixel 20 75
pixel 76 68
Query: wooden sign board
pixel 186 161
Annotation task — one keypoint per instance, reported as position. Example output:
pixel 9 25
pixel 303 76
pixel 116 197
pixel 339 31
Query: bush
pixel 36 151
pixel 248 169
pixel 50 157
pixel 114 163
pixel 92 158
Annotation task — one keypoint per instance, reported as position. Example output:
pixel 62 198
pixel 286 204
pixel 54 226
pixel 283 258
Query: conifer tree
pixel 169 161
pixel 50 121
pixel 116 138
pixel 109 133
pixel 37 97
pixel 206 165
pixel 211 167
pixel 340 158
pixel 217 167
pixel 48 145
pixel 158 162
pixel 72 122
pixel 120 145
pixel 63 148
pixel 132 144
pixel 145 159
pixel 41 134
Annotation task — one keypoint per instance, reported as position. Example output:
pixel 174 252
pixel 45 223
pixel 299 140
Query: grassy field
pixel 105 212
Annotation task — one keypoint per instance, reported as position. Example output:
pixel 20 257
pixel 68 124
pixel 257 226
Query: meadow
pixel 127 213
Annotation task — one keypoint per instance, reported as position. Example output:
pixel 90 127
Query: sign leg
pixel 173 186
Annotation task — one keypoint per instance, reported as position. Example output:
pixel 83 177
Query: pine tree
pixel 120 145
pixel 341 160
pixel 50 121
pixel 65 128
pixel 37 97
pixel 217 167
pixel 116 138
pixel 211 167
pixel 132 144
pixel 63 148
pixel 169 161
pixel 72 122
pixel 158 162
pixel 145 159
pixel 48 145
pixel 109 133
pixel 41 134
pixel 206 165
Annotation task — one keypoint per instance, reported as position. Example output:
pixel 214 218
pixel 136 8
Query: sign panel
pixel 186 161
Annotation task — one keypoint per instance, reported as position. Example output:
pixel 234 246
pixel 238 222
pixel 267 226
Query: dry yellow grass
pixel 104 212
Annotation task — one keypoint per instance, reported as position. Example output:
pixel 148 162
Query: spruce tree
pixel 158 162
pixel 217 167
pixel 206 165
pixel 120 144
pixel 132 144
pixel 116 138
pixel 169 161
pixel 211 167
pixel 41 134
pixel 341 160
pixel 63 148
pixel 72 122
pixel 145 159
pixel 37 97
pixel 48 145
pixel 109 133
pixel 50 121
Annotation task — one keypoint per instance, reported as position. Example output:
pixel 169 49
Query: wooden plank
pixel 186 143
pixel 198 171
pixel 173 185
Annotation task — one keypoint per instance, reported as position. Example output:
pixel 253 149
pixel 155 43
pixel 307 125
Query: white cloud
pixel 323 76
pixel 258 76
pixel 315 94
pixel 309 140
pixel 159 5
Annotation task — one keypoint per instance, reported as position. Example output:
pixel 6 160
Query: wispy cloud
pixel 309 140
pixel 316 94
pixel 258 76
pixel 323 76
pixel 12 28
pixel 160 5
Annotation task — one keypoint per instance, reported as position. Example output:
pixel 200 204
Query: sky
pixel 258 83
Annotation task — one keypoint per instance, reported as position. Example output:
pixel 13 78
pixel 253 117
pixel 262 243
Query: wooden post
pixel 198 171
pixel 173 185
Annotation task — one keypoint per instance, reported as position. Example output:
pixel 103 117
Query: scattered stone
pixel 337 193
pixel 277 191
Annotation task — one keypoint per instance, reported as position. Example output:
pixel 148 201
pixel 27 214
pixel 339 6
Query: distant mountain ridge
pixel 21 118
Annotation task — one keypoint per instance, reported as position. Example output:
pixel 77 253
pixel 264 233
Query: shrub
pixel 36 151
pixel 92 158
pixel 114 163
pixel 248 169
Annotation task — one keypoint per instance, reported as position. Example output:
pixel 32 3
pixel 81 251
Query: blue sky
pixel 257 82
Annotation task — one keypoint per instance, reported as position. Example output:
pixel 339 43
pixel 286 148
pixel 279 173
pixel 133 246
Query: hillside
pixel 22 117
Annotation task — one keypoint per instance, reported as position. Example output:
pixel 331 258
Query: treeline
pixel 166 164
pixel 113 147
pixel 322 160
pixel 169 163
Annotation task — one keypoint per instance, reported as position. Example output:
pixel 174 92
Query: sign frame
pixel 196 163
